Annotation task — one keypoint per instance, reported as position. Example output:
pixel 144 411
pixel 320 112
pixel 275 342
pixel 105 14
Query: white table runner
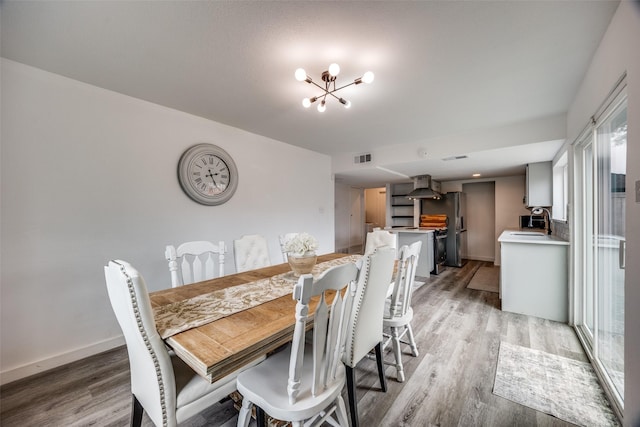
pixel 183 315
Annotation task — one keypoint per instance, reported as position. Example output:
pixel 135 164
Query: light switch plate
pixel 637 191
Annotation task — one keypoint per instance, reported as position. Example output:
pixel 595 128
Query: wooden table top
pixel 224 345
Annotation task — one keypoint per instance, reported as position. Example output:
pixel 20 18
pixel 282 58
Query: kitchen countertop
pixel 412 230
pixel 410 235
pixel 535 237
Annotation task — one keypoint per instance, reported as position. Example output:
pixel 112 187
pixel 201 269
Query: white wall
pixel 89 175
pixel 342 216
pixel 618 52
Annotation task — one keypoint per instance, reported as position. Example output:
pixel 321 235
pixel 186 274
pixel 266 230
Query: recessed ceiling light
pixel 475 175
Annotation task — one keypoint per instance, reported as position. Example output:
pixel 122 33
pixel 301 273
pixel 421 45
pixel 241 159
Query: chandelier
pixel 329 79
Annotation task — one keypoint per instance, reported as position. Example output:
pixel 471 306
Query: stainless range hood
pixel 422 188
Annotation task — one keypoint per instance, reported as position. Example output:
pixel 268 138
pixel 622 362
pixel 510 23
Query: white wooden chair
pixel 305 383
pixel 251 252
pixel 379 238
pixel 195 261
pixel 364 328
pixel 161 384
pixel 284 238
pixel 398 311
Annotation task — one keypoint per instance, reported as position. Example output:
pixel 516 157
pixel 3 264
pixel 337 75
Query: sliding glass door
pixel 599 197
pixel 611 140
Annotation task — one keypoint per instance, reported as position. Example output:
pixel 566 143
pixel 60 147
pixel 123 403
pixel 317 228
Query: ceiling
pixel 441 68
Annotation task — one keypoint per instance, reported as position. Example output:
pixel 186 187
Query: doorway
pixel 480 221
pixel 375 200
pixel 356 220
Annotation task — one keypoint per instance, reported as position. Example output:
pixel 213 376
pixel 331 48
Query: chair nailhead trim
pixel 145 338
pixel 365 268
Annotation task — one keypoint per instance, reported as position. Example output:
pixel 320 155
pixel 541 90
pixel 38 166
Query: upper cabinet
pixel 539 185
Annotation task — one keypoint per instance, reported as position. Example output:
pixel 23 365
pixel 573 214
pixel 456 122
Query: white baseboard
pixel 43 365
pixel 480 258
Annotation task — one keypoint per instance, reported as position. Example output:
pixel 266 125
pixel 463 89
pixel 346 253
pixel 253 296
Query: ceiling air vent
pixel 362 158
pixel 454 158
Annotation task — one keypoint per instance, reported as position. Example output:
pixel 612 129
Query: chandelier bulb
pixel 368 77
pixel 301 74
pixel 322 107
pixel 334 69
pixel 306 103
pixel 344 102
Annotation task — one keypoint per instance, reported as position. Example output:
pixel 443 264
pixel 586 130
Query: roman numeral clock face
pixel 208 174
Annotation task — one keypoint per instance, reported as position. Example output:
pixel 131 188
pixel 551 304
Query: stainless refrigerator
pixel 453 205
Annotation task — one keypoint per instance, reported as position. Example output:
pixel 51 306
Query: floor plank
pixel 450 382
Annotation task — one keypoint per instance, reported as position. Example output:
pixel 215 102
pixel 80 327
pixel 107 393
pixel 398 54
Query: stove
pixel 439 247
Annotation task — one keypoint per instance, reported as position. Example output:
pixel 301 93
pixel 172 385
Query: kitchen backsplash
pixel 562 230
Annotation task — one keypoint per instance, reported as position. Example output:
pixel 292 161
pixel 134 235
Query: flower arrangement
pixel 300 244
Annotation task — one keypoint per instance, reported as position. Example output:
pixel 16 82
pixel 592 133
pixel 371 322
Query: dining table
pixel 217 326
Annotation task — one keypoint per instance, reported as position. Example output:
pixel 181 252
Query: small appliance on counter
pixel 532 221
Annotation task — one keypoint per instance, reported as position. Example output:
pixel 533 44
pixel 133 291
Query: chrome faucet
pixel 540 210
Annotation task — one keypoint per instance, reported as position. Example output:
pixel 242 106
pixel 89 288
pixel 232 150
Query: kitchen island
pixel 409 235
pixel 533 274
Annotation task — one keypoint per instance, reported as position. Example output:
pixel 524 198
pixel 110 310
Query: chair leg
pixel 412 341
pixel 341 412
pixel 380 363
pixel 136 412
pixel 261 418
pixel 351 391
pixel 245 413
pixel 397 352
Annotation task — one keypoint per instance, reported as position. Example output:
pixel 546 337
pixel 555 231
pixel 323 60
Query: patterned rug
pixel 564 388
pixel 486 279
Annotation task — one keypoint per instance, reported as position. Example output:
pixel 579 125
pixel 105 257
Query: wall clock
pixel 208 174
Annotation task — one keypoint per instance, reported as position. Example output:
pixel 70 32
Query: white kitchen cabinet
pixel 539 185
pixel 426 260
pixel 533 275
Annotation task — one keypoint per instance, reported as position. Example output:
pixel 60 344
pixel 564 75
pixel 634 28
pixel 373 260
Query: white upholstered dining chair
pixel 305 382
pixel 251 252
pixel 162 385
pixel 379 238
pixel 195 261
pixel 398 312
pixel 364 327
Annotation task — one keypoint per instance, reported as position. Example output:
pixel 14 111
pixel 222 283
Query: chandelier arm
pixel 318 86
pixel 342 87
pixel 331 93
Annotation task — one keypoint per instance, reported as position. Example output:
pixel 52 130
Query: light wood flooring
pixel 450 383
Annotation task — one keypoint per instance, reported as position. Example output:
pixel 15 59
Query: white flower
pixel 301 243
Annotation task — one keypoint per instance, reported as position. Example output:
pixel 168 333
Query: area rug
pixel 486 279
pixel 564 388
